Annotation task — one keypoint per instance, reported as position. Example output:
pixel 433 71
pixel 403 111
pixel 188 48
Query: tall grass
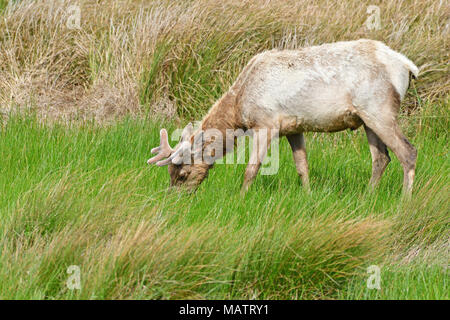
pixel 82 195
pixel 177 58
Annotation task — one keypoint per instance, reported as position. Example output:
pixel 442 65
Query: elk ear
pixel 197 143
pixel 187 132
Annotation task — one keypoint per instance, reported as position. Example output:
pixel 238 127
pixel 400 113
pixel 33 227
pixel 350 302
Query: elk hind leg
pixel 389 132
pixel 380 156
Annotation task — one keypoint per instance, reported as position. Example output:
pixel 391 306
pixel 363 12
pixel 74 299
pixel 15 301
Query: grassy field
pixel 81 108
pixel 83 195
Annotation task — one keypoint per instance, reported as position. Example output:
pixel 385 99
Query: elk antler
pixel 164 151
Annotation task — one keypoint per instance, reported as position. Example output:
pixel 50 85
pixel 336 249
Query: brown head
pixel 183 170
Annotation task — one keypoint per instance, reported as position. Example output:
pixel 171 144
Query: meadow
pixel 80 109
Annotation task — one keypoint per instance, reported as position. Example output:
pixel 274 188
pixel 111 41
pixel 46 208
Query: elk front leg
pixel 261 142
pixel 298 146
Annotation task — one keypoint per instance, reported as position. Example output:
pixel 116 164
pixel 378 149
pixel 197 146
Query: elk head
pixel 183 169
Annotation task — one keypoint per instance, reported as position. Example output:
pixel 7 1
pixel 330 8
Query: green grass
pixel 3 4
pixel 82 194
pixel 404 282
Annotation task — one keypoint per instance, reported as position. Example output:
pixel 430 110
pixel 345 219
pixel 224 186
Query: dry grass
pixel 176 58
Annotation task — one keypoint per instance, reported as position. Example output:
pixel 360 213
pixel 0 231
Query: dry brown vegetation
pixel 176 58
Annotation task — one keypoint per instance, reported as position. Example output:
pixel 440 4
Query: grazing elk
pixel 326 88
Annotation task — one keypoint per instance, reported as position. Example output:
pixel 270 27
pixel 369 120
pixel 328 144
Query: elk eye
pixel 183 173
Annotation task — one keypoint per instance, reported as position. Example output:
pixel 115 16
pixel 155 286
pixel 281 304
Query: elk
pixel 325 88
